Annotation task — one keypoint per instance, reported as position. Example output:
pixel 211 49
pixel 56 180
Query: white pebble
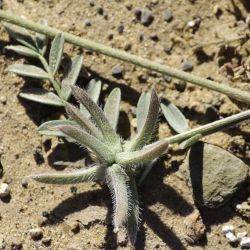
pixel 231 237
pixel 227 228
pixel 245 242
pixel 4 190
pixel 241 235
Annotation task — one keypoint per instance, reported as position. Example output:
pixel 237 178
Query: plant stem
pixel 211 127
pixel 234 93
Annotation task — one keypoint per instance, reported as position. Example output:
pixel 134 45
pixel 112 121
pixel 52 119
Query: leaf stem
pixel 51 79
pixel 211 127
pixel 234 93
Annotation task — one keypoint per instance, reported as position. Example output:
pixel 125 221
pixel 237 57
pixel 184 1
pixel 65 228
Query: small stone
pixel 74 227
pixel 194 24
pixel 105 15
pixel 38 155
pixel 4 190
pixel 3 99
pixel 227 228
pixel 24 183
pixel 245 242
pixel 120 28
pixel 87 23
pixel 241 235
pixel 231 237
pixel 168 16
pixel 92 3
pixel 146 17
pixel 154 37
pixel 16 244
pixel 187 66
pixel 45 214
pixel 46 241
pixel 141 37
pixel 110 36
pixel 73 189
pixel 117 71
pixel 217 10
pixel 128 5
pixel 36 233
pixel 180 85
pixel 100 10
pixel 137 13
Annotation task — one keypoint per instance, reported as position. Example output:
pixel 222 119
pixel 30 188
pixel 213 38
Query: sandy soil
pixel 170 220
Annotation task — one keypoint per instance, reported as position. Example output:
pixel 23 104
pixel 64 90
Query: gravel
pixel 4 190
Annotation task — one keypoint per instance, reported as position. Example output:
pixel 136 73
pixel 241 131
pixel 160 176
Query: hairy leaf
pixel 146 132
pixel 102 151
pixel 174 117
pixel 50 127
pixel 71 76
pixel 21 35
pixel 56 52
pixel 134 212
pixel 78 176
pixel 22 50
pixel 93 90
pixel 82 120
pixel 147 168
pixel 41 39
pixel 117 181
pixel 98 116
pixel 28 70
pixel 189 142
pixel 144 155
pixel 142 110
pixel 112 107
pixel 41 96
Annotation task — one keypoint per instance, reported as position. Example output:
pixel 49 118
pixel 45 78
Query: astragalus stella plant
pixel 116 161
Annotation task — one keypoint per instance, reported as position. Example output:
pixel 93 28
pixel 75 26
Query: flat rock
pixel 214 174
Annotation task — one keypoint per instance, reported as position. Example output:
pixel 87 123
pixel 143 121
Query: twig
pixel 211 127
pixel 234 93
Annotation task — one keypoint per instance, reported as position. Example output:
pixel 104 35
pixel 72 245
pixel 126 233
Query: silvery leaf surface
pixel 41 39
pixel 23 50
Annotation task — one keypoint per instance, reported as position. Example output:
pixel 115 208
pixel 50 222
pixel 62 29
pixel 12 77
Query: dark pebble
pixel 110 36
pixel 105 15
pixel 180 85
pixel 73 189
pixel 168 16
pixel 187 66
pixel 100 10
pixel 117 71
pixel 137 13
pixel 141 37
pixel 38 155
pixel 120 28
pixel 16 245
pixel 45 214
pixel 154 37
pixel 24 183
pixel 87 22
pixel 92 3
pixel 146 17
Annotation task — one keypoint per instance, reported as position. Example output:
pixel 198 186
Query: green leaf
pixel 145 134
pixel 41 39
pixel 144 155
pixel 72 74
pixel 93 90
pixel 78 176
pixel 142 110
pixel 112 107
pixel 147 168
pixel 50 127
pixel 21 35
pixel 134 212
pixel 189 142
pixel 174 117
pixel 28 70
pixel 24 51
pixel 103 152
pixel 117 181
pixel 41 96
pixel 82 120
pixel 56 52
pixel 98 116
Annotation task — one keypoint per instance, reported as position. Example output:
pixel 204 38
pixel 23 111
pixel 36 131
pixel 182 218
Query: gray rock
pixel 4 190
pixel 146 17
pixel 167 15
pixel 117 71
pixel 187 66
pixel 214 174
pixel 36 233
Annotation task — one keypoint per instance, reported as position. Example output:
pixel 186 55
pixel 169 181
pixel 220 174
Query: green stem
pixel 234 93
pixel 51 79
pixel 211 127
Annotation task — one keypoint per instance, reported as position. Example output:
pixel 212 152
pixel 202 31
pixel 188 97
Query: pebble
pixel 24 183
pixel 4 190
pixel 16 244
pixel 154 37
pixel 117 70
pixel 3 99
pixel 120 28
pixel 36 233
pixel 231 237
pixel 46 241
pixel 137 13
pixel 92 3
pixel 38 155
pixel 180 85
pixel 100 10
pixel 146 17
pixel 168 16
pixel 74 227
pixel 187 66
pixel 245 242
pixel 217 10
pixel 87 23
pixel 73 189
